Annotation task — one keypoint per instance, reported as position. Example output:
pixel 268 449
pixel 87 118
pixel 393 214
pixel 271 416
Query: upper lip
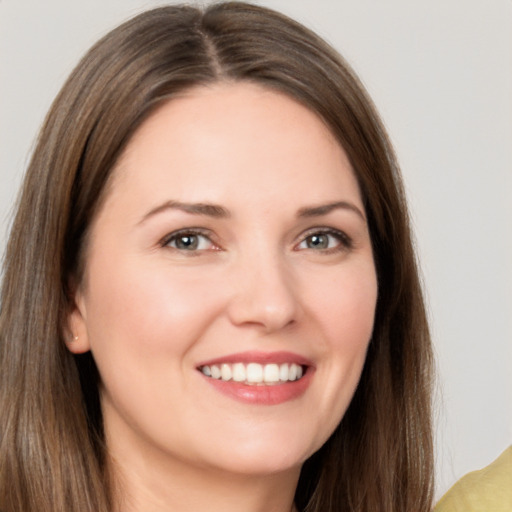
pixel 279 357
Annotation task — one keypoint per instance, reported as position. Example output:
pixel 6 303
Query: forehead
pixel 231 139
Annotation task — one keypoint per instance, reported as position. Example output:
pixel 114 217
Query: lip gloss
pixel 263 394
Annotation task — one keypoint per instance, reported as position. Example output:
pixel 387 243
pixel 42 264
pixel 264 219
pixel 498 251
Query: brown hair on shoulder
pixel 52 453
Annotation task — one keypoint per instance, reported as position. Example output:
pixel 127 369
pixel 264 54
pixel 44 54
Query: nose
pixel 265 294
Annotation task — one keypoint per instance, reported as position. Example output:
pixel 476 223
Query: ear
pixel 76 335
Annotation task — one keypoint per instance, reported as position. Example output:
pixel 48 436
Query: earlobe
pixel 76 335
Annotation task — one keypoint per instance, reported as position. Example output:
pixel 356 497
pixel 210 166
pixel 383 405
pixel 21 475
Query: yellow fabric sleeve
pixel 487 490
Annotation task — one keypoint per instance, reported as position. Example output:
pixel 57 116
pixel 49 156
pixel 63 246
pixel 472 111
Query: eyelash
pixel 344 241
pixel 184 233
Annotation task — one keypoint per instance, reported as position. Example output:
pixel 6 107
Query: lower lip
pixel 263 394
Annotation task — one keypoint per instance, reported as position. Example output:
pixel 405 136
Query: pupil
pixel 318 241
pixel 187 242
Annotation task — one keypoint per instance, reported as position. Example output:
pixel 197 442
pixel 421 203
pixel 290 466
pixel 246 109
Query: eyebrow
pixel 210 210
pixel 217 211
pixel 324 209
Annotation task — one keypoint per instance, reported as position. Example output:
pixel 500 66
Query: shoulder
pixel 486 490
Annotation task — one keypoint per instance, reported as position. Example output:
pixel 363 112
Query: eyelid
pixel 345 241
pixel 206 233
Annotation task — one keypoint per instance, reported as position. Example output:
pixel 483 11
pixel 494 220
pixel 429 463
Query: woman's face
pixel 231 255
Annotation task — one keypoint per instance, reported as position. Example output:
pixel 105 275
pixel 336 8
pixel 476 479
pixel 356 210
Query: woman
pixel 210 294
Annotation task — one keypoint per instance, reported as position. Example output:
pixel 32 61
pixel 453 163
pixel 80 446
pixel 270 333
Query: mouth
pixel 255 374
pixel 259 378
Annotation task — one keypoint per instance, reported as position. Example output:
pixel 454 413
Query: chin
pixel 259 467
pixel 257 457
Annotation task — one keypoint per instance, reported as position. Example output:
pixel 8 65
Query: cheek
pixel 345 307
pixel 141 311
pixel 143 323
pixel 345 312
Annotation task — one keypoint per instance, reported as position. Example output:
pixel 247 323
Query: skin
pixel 151 311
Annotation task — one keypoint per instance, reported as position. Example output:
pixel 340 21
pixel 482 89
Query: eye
pixel 189 240
pixel 328 240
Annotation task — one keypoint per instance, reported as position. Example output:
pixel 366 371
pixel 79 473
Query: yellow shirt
pixel 487 490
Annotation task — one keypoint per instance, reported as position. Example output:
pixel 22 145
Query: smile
pixel 254 373
pixel 259 378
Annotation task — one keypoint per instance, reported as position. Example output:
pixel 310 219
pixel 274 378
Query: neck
pixel 180 488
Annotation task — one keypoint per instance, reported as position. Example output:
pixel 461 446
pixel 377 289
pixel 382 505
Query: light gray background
pixel 440 73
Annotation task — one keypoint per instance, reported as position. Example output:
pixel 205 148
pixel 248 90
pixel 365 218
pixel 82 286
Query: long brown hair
pixel 52 453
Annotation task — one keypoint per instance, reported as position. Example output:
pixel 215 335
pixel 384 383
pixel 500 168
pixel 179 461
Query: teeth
pixel 284 372
pixel 254 373
pixel 239 373
pixel 225 372
pixel 271 373
pixel 216 373
pixel 292 372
